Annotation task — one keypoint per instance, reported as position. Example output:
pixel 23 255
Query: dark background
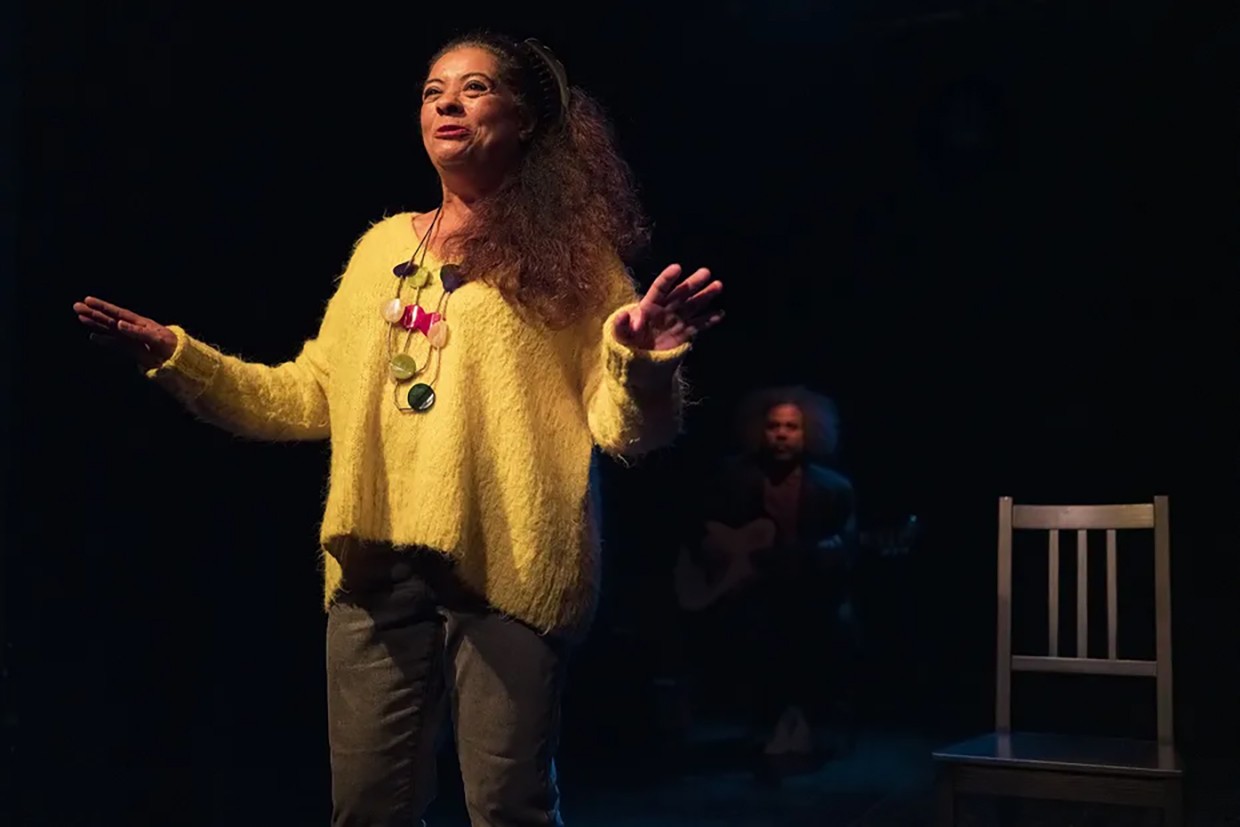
pixel 1001 235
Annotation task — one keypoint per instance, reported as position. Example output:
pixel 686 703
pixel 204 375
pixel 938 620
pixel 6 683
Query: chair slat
pixel 1052 594
pixel 1082 593
pixel 1084 666
pixel 1112 598
pixel 1069 517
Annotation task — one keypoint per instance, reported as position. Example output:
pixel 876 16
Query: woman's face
pixel 471 123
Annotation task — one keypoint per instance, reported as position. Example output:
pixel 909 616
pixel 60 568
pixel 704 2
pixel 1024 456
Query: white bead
pixel 391 310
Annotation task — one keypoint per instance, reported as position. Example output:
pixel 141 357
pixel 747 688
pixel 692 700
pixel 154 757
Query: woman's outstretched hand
pixel 149 342
pixel 674 310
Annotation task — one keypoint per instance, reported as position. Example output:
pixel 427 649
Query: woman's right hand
pixel 149 342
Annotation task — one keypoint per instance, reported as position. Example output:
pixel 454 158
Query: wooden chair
pixel 1061 767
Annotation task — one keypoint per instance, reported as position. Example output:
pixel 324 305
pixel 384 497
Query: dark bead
pixel 421 397
pixel 450 275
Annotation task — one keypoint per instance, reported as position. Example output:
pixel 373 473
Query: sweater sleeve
pixel 283 402
pixel 633 397
pixel 279 403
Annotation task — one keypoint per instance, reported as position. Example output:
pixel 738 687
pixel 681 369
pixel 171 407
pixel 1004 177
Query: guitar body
pixel 725 562
pixel 729 554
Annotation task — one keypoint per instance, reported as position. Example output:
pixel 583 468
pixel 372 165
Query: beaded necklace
pixel 407 319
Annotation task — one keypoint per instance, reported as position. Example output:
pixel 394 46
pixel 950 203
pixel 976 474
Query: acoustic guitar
pixel 731 550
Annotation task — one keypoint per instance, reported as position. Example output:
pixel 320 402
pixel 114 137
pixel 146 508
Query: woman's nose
pixel 448 103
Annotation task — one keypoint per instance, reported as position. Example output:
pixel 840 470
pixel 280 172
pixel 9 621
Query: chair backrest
pixel 1082 519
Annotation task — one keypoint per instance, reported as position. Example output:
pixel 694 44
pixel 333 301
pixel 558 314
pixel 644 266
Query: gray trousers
pixel 405 644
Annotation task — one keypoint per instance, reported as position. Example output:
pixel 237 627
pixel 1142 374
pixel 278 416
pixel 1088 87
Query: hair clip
pixel 558 76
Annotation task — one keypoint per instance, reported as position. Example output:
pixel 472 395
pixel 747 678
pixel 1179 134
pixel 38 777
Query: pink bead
pixel 416 318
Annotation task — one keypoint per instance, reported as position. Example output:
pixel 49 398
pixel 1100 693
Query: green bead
pixel 403 367
pixel 420 277
pixel 421 397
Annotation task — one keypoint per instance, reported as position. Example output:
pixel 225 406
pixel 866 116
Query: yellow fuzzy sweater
pixel 497 474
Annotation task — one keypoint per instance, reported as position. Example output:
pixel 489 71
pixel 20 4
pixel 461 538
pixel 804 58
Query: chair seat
pixel 1071 753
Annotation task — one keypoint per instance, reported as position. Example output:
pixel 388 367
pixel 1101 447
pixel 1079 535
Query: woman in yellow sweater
pixel 469 361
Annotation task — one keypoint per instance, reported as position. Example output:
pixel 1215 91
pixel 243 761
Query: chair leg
pixel 1173 804
pixel 945 788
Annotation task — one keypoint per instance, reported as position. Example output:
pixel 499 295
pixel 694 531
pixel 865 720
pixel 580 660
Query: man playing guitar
pixel 771 564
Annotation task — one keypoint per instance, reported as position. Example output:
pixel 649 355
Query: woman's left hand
pixel 673 311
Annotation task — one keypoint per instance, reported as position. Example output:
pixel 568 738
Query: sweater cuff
pixel 637 368
pixel 191 367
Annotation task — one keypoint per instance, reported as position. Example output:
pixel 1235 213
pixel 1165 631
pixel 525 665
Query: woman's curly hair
pixel 545 238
